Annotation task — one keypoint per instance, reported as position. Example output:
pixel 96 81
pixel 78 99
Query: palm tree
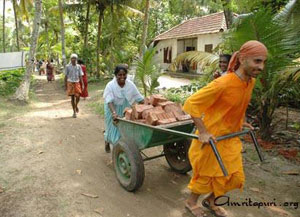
pixel 3 23
pixel 145 28
pixel 146 71
pixel 228 13
pixel 87 20
pixel 62 32
pixel 23 90
pixel 102 5
pixel 16 24
pixel 101 8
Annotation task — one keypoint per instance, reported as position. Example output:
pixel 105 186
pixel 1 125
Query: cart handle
pixel 220 138
pixel 211 142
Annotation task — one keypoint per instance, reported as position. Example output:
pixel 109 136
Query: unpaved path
pixel 48 160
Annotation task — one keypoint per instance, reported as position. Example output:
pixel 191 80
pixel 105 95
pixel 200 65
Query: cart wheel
pixel 129 166
pixel 177 156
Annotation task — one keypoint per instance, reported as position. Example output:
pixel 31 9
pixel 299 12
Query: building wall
pixel 182 44
pixel 159 57
pixel 179 46
pixel 214 39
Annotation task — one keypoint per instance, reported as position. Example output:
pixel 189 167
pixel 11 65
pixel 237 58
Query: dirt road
pixel 48 160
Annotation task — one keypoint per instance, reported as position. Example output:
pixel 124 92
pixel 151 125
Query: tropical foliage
pixel 283 43
pixel 10 81
pixel 147 72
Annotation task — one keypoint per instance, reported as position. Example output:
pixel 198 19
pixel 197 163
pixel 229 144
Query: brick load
pixel 156 110
pixel 157 98
pixel 138 109
pixel 147 101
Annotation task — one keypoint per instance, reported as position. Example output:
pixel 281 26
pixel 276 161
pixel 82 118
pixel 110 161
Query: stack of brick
pixel 156 110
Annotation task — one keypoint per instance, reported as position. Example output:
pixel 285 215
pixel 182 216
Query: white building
pixel 200 34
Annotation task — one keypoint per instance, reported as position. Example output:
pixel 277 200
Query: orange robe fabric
pixel 222 105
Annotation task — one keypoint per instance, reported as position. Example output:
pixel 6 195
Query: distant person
pixel 44 67
pixel 41 69
pixel 224 60
pixel 119 94
pixel 73 77
pixel 84 93
pixel 37 64
pixel 50 71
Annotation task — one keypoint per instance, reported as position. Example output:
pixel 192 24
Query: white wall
pixel 159 57
pixel 178 46
pixel 214 39
pixel 13 60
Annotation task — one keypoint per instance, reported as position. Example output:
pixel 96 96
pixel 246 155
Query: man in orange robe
pixel 219 109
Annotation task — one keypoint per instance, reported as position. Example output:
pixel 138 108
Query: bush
pixel 10 81
pixel 182 93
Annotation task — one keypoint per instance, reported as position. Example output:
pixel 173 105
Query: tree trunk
pixel 23 91
pixel 16 24
pixel 228 13
pixel 265 120
pixel 145 28
pixel 87 20
pixel 47 39
pixel 100 19
pixel 62 31
pixel 3 20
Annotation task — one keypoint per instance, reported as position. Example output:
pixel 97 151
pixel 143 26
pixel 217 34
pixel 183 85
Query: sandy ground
pixel 166 81
pixel 48 160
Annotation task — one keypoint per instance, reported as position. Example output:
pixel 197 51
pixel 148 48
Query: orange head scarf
pixel 250 48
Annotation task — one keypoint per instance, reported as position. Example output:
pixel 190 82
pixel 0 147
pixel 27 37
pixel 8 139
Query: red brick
pixel 184 118
pixel 153 110
pixel 141 121
pixel 174 108
pixel 128 114
pixel 147 100
pixel 138 110
pixel 157 98
pixel 166 121
pixel 177 114
pixel 170 115
pixel 163 104
pixel 161 116
pixel 151 119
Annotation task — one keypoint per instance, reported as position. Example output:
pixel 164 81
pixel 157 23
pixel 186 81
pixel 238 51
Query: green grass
pixel 97 104
pixel 98 107
pixel 8 109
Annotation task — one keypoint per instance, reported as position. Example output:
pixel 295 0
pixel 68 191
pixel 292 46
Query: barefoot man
pixel 72 82
pixel 219 109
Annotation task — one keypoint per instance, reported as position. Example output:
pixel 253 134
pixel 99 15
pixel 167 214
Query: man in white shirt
pixel 73 77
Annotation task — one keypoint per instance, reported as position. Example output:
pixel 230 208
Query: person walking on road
pixel 73 77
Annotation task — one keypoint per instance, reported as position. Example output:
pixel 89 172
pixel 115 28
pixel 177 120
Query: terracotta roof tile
pixel 211 23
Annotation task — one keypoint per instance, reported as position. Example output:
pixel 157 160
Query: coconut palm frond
pixel 291 74
pixel 66 7
pixel 286 12
pixel 147 72
pixel 201 58
pixel 283 42
pixel 131 12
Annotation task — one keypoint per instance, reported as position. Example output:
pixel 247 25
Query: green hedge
pixel 10 81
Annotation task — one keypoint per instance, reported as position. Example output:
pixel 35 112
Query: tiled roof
pixel 211 23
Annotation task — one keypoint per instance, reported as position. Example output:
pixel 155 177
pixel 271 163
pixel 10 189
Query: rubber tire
pixel 183 165
pixel 137 173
